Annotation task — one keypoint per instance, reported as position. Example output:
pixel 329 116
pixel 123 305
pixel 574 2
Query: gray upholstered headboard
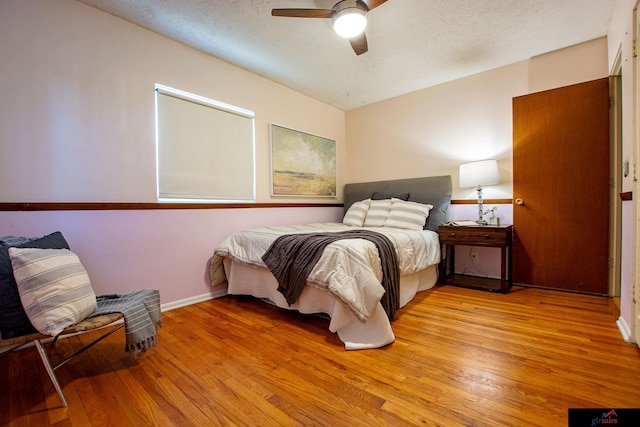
pixel 434 190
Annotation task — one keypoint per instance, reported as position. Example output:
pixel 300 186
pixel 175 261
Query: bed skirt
pixel 244 279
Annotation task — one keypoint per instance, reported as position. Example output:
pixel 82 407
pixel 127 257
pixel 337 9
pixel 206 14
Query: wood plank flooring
pixel 461 357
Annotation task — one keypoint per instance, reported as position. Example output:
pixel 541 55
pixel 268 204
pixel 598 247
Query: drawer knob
pixel 452 234
pixel 486 236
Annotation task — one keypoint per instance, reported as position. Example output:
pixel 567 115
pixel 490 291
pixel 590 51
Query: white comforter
pixel 349 269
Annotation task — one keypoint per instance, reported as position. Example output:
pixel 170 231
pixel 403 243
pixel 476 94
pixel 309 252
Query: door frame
pixel 635 292
pixel 615 170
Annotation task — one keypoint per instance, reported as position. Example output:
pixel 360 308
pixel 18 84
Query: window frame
pixel 248 194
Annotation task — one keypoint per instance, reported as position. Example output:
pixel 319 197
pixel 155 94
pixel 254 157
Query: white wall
pixel 77 104
pixel 432 131
pixel 620 40
pixel 77 125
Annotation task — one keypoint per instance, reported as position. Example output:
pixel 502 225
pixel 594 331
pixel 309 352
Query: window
pixel 205 150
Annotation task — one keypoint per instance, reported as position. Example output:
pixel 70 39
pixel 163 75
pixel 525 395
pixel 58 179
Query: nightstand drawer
pixel 479 236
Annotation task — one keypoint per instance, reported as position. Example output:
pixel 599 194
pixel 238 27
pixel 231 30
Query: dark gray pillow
pixel 383 196
pixel 439 214
pixel 13 319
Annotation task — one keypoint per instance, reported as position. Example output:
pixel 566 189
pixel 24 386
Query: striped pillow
pixel 377 213
pixel 54 288
pixel 408 215
pixel 356 213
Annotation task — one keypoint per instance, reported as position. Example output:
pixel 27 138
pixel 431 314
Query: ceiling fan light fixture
pixel 350 22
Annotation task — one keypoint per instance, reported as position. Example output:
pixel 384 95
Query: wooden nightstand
pixel 482 235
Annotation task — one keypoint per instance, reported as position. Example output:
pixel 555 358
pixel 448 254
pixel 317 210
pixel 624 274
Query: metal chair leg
pixel 109 322
pixel 52 375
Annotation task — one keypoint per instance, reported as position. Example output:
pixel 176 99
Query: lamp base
pixel 480 220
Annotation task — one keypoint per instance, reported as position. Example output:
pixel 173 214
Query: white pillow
pixel 407 215
pixel 356 213
pixel 377 213
pixel 54 288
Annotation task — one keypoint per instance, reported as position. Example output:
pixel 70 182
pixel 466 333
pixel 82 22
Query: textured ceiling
pixel 413 44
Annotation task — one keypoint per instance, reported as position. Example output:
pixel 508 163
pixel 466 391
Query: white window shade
pixel 205 149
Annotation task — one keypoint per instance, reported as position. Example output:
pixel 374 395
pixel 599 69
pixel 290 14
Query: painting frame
pixel 302 164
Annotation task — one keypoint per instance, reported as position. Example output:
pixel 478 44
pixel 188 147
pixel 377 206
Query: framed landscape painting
pixel 302 164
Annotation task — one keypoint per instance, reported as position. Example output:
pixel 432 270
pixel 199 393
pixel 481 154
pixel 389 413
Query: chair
pixel 113 321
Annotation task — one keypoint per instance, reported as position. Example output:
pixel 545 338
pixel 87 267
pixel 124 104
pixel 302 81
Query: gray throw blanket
pixel 141 311
pixel 291 259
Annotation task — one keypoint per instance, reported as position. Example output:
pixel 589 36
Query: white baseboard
pixel 193 300
pixel 624 330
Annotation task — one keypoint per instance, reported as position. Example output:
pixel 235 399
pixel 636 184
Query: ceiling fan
pixel 349 19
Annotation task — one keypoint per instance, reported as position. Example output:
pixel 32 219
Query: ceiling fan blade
pixel 372 4
pixel 303 13
pixel 359 44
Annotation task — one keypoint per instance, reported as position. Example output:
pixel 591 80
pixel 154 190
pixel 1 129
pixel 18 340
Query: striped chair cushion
pixel 54 288
pixel 407 215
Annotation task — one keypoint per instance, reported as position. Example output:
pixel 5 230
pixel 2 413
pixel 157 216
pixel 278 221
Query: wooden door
pixel 561 188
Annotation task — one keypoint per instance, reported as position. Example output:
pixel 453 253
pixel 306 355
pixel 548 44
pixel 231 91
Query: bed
pixel 346 281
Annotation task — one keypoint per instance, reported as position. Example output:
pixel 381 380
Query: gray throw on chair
pixel 142 316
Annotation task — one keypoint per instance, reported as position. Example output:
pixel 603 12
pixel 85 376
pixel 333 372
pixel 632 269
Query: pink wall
pixel 164 249
pixel 488 259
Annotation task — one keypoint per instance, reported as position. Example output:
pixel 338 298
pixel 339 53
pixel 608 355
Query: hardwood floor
pixel 461 358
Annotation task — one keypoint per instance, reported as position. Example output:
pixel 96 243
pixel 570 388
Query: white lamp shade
pixel 477 174
pixel 349 22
